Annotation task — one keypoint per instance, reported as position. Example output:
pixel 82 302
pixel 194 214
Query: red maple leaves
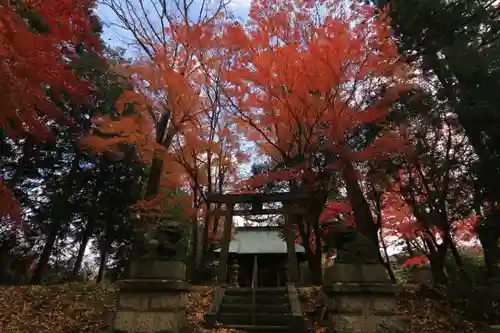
pixel 35 51
pixel 32 62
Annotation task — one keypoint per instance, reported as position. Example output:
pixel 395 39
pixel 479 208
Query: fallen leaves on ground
pixel 80 308
pixel 89 308
pixel 426 315
pixel 313 304
pixel 431 316
pixel 62 308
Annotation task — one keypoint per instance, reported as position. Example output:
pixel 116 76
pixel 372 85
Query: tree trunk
pixel 437 267
pixel 437 255
pixel 103 261
pixel 44 258
pixel 387 261
pixel 208 248
pixel 458 260
pixel 313 257
pixel 489 234
pixel 154 177
pixel 409 248
pixel 81 251
pixel 57 219
pixel 204 241
pixel 90 227
pixel 316 268
pixel 193 257
pixel 361 209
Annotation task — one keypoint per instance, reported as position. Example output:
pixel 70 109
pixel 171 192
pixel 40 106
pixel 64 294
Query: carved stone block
pixel 167 322
pixel 363 273
pixel 356 303
pixel 150 305
pixel 144 322
pixel 149 268
pixel 362 299
pixel 132 301
pixel 124 321
pixel 167 301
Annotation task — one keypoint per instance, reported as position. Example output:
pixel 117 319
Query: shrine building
pixel 261 252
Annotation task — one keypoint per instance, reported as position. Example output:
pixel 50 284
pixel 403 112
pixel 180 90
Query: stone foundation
pixel 152 305
pixel 362 299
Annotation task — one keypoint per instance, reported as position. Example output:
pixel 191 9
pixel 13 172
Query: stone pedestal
pixel 153 300
pixel 153 268
pixel 362 299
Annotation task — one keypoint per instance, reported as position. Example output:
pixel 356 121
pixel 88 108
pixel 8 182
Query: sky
pixel 112 35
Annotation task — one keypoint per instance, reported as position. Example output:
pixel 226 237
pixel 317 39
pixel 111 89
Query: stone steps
pixel 258 291
pixel 259 300
pixel 259 310
pixel 247 308
pixel 258 329
pixel 260 319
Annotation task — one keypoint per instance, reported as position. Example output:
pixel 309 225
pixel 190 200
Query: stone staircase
pixel 260 310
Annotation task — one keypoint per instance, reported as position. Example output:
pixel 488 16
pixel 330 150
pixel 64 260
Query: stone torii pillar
pixel 293 267
pixel 226 239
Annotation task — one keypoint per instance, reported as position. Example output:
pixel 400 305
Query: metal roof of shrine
pixel 259 240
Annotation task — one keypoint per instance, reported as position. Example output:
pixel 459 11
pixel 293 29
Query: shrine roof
pixel 259 240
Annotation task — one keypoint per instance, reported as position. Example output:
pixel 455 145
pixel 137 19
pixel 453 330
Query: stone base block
pixel 151 301
pixel 151 306
pixel 152 285
pixel 149 322
pixel 356 303
pixel 362 288
pixel 367 324
pixel 362 273
pixel 362 300
pixel 152 268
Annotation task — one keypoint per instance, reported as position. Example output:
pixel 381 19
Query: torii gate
pixel 294 203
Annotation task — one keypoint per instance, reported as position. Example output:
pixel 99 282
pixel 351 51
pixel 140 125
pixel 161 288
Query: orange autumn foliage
pixel 303 84
pixel 167 102
pixel 174 114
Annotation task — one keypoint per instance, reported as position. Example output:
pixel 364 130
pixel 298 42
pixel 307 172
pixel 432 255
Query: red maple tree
pixel 303 85
pixel 38 40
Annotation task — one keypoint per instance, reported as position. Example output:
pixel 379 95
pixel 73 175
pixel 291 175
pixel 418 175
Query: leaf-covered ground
pixel 86 308
pixel 427 315
pixel 77 308
pixel 65 308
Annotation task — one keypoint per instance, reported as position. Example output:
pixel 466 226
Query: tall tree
pixel 303 85
pixel 176 115
pixel 441 37
pixel 169 39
